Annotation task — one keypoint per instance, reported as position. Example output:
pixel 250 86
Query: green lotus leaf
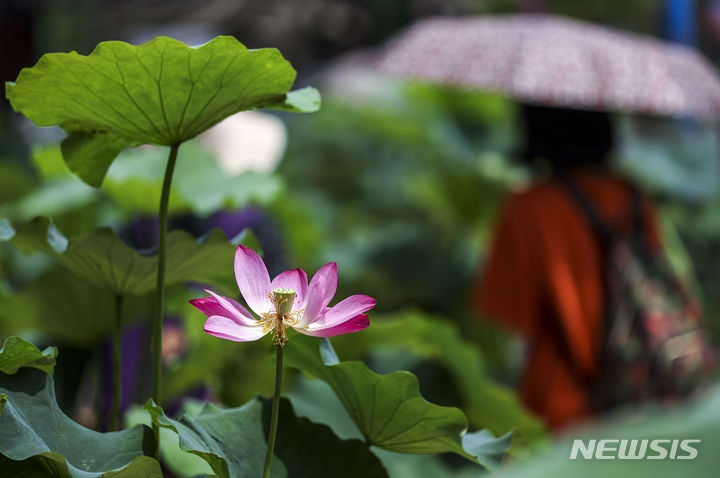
pixel 232 441
pixel 388 409
pixel 90 154
pixel 161 92
pixel 486 448
pixel 17 352
pixel 67 309
pixel 35 434
pixel 102 258
pixel 439 340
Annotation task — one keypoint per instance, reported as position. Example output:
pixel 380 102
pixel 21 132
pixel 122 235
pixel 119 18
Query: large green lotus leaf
pixel 103 259
pixel 17 352
pixel 439 340
pixel 161 92
pixel 315 400
pixel 232 440
pixel 388 409
pixel 34 431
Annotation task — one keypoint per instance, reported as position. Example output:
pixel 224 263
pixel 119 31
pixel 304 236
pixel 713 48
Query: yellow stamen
pixel 282 316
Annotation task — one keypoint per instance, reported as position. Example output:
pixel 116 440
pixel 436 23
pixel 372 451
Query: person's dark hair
pixel 566 137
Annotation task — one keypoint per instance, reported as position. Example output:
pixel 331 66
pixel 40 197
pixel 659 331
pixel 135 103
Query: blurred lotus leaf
pixel 15 181
pixel 134 182
pixel 199 183
pixel 66 309
pixel 103 259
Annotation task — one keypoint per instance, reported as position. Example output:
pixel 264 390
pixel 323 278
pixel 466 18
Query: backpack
pixel 653 344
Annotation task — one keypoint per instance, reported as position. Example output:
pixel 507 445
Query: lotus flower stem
pixel 275 411
pixel 160 288
pixel 117 365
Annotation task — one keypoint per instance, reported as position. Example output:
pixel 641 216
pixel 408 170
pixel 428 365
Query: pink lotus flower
pixel 286 301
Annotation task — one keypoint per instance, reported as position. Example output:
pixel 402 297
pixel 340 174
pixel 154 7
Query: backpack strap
pixel 591 213
pixel 606 235
pixel 600 227
pixel 641 231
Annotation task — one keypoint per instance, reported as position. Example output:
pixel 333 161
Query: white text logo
pixel 635 449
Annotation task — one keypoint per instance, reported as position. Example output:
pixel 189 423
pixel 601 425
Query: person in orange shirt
pixel 544 276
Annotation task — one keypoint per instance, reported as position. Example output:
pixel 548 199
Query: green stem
pixel 117 365
pixel 275 410
pixel 160 288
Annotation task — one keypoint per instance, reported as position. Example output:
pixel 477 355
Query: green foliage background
pixel 401 191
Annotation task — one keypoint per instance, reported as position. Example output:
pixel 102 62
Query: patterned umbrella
pixel 558 62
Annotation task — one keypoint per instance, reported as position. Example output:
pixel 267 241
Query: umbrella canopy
pixel 559 62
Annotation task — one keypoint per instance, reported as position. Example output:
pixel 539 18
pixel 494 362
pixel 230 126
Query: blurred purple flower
pixel 286 301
